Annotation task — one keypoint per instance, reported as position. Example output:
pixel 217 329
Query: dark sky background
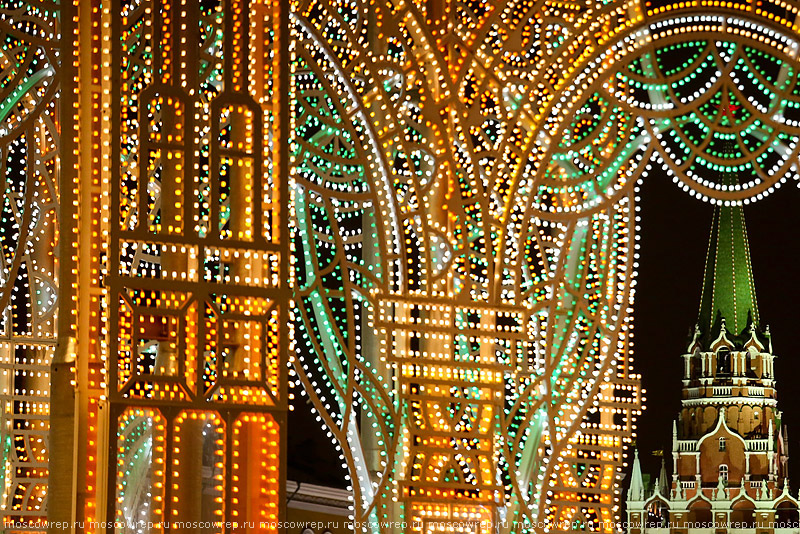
pixel 672 252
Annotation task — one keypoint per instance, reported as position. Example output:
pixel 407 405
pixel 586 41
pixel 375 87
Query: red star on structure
pixel 727 110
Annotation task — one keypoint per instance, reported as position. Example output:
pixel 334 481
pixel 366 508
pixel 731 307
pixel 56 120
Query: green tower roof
pixel 728 289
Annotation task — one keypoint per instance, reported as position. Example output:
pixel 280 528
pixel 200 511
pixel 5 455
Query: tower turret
pixel 636 489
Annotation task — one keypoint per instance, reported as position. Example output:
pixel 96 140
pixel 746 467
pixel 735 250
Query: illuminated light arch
pixel 689 129
pixel 518 253
pixel 456 298
pixel 465 253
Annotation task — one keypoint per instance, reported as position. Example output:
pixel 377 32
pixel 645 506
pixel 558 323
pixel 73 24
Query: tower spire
pixel 728 288
pixel 636 490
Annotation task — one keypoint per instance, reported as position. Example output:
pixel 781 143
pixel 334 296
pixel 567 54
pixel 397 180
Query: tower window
pixel 724 361
pixel 722 444
pixel 723 473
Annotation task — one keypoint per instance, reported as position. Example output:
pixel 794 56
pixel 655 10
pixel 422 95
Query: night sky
pixel 674 240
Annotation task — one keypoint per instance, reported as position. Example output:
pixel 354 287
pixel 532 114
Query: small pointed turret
pixel 662 484
pixel 675 435
pixel 636 491
pixel 770 435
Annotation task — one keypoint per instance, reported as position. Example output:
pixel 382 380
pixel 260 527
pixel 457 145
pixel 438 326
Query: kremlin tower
pixel 729 446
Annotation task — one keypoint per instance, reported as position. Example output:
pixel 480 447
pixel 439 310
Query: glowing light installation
pixel 198 293
pixel 473 308
pixel 170 398
pixel 464 227
pixel 465 207
pixel 29 143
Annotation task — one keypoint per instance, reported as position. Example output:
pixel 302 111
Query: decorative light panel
pixel 464 196
pixel 197 264
pixel 29 292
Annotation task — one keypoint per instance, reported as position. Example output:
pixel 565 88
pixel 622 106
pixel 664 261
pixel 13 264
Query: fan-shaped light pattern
pixel 465 206
pixel 683 88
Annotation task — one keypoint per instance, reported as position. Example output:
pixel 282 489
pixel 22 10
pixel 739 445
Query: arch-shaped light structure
pixel 464 320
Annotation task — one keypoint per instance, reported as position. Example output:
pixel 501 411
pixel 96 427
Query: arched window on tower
pixel 722 444
pixel 786 515
pixel 695 367
pixel 700 514
pixel 743 514
pixel 723 473
pixel 657 514
pixel 724 361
